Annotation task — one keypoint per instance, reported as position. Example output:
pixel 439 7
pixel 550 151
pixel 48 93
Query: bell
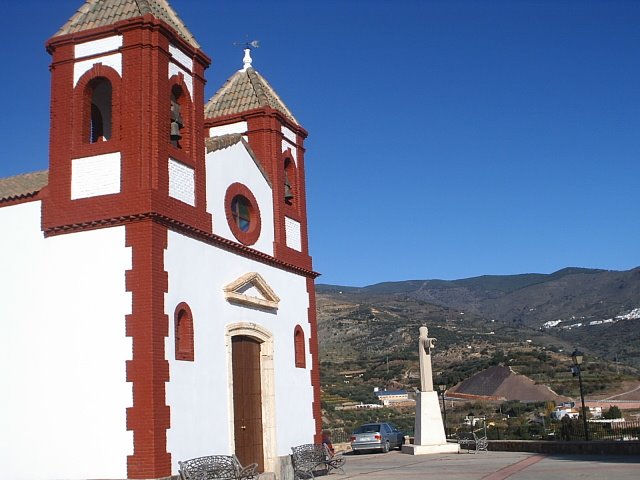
pixel 175 131
pixel 288 193
pixel 175 112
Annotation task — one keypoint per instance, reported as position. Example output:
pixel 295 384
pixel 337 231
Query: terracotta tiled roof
pixel 98 13
pixel 23 185
pixel 245 90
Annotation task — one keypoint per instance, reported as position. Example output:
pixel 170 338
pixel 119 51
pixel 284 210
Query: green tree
pixel 613 412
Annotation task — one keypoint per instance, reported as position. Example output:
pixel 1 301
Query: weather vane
pixel 247 46
pixel 252 44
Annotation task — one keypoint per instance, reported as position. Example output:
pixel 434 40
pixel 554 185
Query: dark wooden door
pixel 247 400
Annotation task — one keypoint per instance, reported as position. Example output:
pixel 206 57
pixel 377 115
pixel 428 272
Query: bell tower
pixel 127 96
pixel 247 104
pixel 126 150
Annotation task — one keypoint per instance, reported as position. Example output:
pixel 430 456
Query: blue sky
pixel 446 139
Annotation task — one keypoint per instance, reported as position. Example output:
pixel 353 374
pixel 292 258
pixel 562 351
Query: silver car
pixel 376 436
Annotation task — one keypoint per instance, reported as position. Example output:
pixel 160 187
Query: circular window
pixel 242 213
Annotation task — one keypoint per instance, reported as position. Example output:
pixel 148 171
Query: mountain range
pixel 530 322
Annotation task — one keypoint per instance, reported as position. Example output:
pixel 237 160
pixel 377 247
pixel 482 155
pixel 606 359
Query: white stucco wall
pixel 293 232
pixel 174 69
pixel 63 350
pixel 96 175
pixel 95 47
pixel 181 57
pixel 238 127
pixel 188 79
pixel 182 182
pixel 235 164
pixel 81 67
pixel 199 392
pixel 104 46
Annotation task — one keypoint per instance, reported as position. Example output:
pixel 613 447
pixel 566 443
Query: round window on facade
pixel 242 213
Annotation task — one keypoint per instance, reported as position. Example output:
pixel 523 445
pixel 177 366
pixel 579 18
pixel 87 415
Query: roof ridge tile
pixel 245 90
pixel 99 13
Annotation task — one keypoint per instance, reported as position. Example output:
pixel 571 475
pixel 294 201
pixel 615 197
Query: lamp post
pixel 442 388
pixel 577 357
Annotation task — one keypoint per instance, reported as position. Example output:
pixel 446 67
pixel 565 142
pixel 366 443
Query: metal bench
pixel 469 439
pixel 212 467
pixel 313 459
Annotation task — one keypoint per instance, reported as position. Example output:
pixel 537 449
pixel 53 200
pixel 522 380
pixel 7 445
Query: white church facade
pixel 157 289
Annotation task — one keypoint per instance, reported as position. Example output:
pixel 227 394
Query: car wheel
pixel 385 447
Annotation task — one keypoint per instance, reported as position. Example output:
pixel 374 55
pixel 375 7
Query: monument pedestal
pixel 429 433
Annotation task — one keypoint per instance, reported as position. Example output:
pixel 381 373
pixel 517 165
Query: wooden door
pixel 247 400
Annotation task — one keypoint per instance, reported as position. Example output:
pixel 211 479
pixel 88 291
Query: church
pixel 157 288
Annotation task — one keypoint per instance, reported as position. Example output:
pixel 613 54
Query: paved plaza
pixel 490 466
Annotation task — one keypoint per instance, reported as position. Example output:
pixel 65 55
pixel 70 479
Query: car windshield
pixel 370 428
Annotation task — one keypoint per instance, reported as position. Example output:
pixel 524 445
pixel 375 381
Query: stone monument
pixel 429 428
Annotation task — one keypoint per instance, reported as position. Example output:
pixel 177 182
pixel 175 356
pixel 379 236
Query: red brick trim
pixel 298 347
pixel 183 333
pixel 250 236
pixel 256 112
pixel 146 22
pixel 82 112
pixel 143 129
pixel 200 235
pixel 315 363
pixel 148 370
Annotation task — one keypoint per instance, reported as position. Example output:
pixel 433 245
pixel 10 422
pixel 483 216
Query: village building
pixel 564 411
pixel 157 288
pixel 394 398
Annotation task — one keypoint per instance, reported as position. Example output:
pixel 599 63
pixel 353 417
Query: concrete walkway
pixel 489 466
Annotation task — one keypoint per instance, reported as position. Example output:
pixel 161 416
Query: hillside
pixel 529 323
pixel 591 309
pixel 503 384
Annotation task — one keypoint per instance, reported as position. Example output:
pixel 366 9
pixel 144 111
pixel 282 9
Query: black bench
pixel 313 459
pixel 469 439
pixel 216 467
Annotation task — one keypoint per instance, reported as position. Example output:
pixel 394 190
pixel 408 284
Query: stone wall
pixel 582 447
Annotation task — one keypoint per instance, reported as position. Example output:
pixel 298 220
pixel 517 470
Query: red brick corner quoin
pixel 315 363
pixel 148 370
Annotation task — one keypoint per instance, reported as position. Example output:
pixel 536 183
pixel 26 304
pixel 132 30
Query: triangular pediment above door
pixel 251 290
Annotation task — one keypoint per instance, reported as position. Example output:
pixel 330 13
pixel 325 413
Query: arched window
pixel 184 333
pixel 298 345
pixel 177 122
pixel 289 181
pixel 99 121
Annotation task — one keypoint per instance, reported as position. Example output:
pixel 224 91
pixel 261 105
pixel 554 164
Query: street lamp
pixel 577 357
pixel 442 388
